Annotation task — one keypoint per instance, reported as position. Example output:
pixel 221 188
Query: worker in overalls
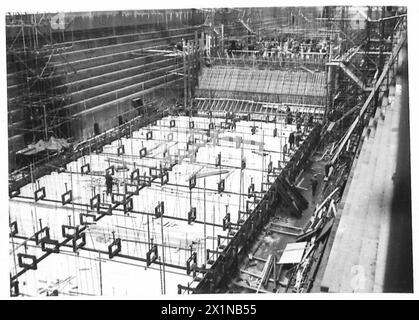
pixel 108 182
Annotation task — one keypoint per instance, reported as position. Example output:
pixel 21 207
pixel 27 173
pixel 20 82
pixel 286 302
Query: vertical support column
pixel 222 39
pixel 164 261
pixel 381 56
pixel 189 66
pixel 196 59
pixel 185 82
pixel 344 28
pixel 208 44
pixel 193 68
pixel 367 41
pixel 391 39
pixel 330 88
pixel 202 49
pixel 202 43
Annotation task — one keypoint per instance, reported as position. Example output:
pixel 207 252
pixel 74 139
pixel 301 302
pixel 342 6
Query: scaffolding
pixel 29 56
pixel 193 185
pixel 34 100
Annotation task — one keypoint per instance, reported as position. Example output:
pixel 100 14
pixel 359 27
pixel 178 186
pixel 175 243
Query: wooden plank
pixel 285 232
pixel 245 286
pixel 286 226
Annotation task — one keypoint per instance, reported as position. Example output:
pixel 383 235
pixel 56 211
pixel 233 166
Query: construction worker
pixel 108 182
pixel 305 123
pixel 298 116
pixel 291 139
pixel 310 120
pixel 289 118
pixel 298 122
pixel 314 183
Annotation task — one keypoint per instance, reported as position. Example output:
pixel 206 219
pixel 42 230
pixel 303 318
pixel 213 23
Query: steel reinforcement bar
pixel 235 251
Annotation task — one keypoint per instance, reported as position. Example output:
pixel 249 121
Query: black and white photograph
pixel 234 150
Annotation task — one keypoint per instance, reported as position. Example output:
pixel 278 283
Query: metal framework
pixel 191 193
